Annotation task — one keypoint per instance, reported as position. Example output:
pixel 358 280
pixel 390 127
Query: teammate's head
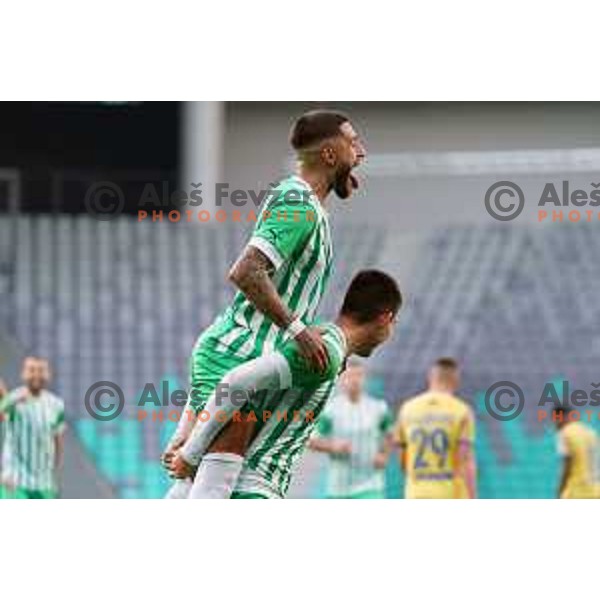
pixel 3 388
pixel 444 375
pixel 369 310
pixel 327 140
pixel 35 373
pixel 352 379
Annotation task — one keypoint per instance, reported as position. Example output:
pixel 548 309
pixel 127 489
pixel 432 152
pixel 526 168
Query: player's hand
pixel 170 450
pixel 8 484
pixel 341 448
pixel 313 348
pixel 380 460
pixel 181 469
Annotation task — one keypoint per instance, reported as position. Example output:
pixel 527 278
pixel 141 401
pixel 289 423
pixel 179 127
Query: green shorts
pixel 248 496
pixel 24 494
pixel 209 363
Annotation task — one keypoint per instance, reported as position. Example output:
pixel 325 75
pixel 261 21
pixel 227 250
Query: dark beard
pixel 343 185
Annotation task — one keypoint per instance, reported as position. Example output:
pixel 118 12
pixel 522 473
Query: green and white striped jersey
pixel 365 425
pixel 292 230
pixel 293 411
pixel 31 424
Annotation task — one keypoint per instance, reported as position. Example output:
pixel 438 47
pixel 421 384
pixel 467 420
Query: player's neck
pixel 441 389
pixel 354 398
pixel 352 333
pixel 317 180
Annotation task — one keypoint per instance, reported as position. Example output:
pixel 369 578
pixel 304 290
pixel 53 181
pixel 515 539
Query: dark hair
pixel 314 127
pixel 561 409
pixel 371 293
pixel 446 362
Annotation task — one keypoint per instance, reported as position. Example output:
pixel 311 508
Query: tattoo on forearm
pixel 252 274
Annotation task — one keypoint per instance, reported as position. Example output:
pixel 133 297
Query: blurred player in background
pixel 3 392
pixel 281 275
pixel 354 431
pixel 579 446
pixel 34 419
pixel 436 434
pixel 366 320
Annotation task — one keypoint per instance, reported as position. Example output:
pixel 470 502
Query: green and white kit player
pixel 282 273
pixel 355 431
pixel 34 424
pixel 285 398
pixel 3 427
pixel 296 239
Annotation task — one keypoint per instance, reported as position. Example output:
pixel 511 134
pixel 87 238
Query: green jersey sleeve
pixel 284 226
pixel 303 376
pixel 324 425
pixel 7 406
pixel 58 425
pixel 386 422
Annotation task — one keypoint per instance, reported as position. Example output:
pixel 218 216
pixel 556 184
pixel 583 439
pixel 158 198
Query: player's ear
pixel 387 317
pixel 328 154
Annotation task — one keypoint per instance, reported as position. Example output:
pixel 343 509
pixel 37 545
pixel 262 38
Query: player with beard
pixel 281 276
pixel 32 450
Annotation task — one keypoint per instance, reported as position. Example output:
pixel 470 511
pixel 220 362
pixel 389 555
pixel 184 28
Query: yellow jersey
pixel 581 444
pixel 430 428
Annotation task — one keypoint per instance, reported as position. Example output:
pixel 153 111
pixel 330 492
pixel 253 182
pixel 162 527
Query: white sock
pixel 216 476
pixel 180 490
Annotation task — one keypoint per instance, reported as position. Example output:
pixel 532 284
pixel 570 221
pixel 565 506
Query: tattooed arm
pixel 251 274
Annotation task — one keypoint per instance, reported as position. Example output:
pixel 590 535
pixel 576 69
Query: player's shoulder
pixel 54 401
pixel 10 398
pixel 375 405
pixel 335 343
pixel 415 402
pixel 408 407
pixel 291 182
pixel 571 434
pixel 434 400
pixel 461 405
pixel 17 392
pixel 294 193
pixel 577 430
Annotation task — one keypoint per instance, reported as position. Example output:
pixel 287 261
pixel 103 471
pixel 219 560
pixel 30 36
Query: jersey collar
pixel 341 335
